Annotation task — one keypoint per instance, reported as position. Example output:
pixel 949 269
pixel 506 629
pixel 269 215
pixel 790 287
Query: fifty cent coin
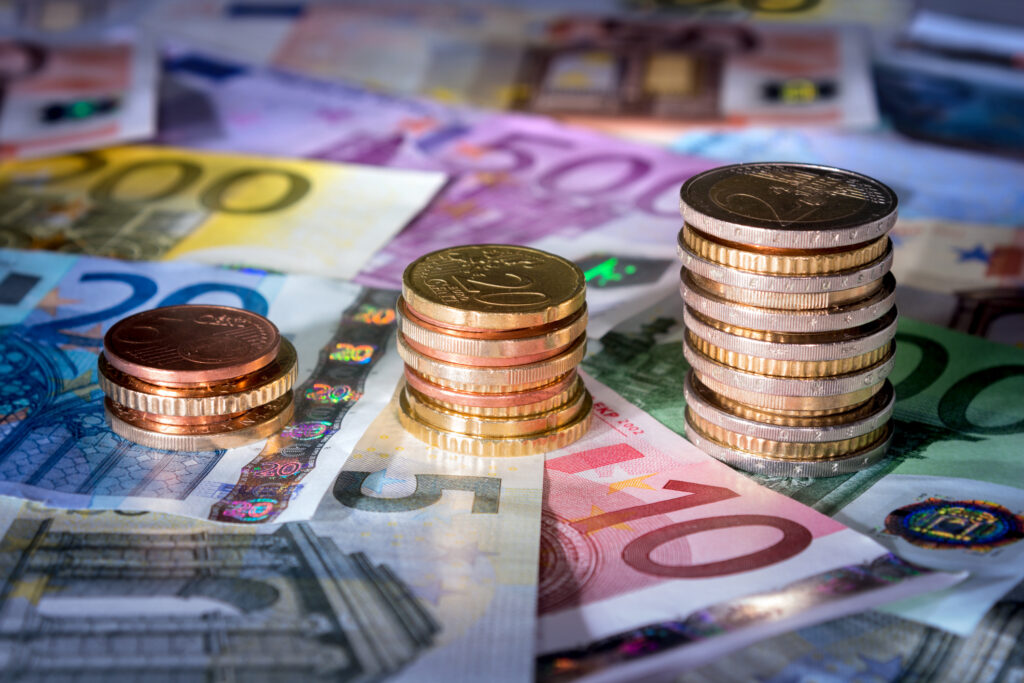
pixel 191 344
pixel 493 287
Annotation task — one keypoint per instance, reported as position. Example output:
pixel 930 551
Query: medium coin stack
pixel 790 317
pixel 197 378
pixel 491 336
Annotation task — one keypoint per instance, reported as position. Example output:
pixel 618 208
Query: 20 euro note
pixel 950 494
pixel 88 92
pixel 417 565
pixel 655 557
pixel 155 202
pixel 56 447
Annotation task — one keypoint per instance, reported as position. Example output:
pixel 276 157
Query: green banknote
pixel 951 493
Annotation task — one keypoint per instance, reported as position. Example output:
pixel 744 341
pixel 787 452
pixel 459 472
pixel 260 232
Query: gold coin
pixel 780 262
pixel 206 399
pixel 789 368
pixel 488 379
pixel 523 410
pixel 541 442
pixel 493 287
pixel 787 300
pixel 795 406
pixel 252 425
pixel 493 427
pixel 514 343
pixel 788 450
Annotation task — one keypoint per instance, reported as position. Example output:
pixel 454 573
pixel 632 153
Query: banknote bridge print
pixel 199 606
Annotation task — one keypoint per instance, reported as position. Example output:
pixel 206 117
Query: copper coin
pixel 190 344
pixel 498 400
pixel 188 420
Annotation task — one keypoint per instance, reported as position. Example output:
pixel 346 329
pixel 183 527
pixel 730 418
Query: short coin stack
pixel 491 336
pixel 790 317
pixel 197 377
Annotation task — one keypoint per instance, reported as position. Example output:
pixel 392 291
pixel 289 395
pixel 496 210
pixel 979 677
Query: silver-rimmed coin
pixel 788 205
pixel 817 346
pixel 786 284
pixel 816 320
pixel 802 406
pixel 863 420
pixel 787 386
pixel 776 467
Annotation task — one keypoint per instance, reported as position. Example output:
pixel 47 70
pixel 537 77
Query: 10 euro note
pixel 655 557
pixel 153 203
pixel 56 447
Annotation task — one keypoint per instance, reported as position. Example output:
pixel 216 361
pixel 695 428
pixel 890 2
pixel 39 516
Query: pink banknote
pixel 655 556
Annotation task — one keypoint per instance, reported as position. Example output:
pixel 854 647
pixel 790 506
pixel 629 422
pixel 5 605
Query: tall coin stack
pixel 790 317
pixel 491 336
pixel 197 377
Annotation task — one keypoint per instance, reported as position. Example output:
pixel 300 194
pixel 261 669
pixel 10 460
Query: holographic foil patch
pixel 971 524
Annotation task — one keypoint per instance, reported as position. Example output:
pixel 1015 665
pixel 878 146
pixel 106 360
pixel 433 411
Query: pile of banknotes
pixel 491 336
pixel 789 317
pixel 295 160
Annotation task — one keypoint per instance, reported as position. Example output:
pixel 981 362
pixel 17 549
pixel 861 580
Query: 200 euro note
pixel 419 565
pixel 949 495
pixel 56 447
pixel 655 557
pixel 156 202
pixel 61 96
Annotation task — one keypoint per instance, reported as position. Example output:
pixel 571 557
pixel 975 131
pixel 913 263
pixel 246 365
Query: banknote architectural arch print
pixel 289 603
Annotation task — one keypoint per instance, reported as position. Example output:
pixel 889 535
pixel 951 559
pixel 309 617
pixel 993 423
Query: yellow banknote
pixel 227 209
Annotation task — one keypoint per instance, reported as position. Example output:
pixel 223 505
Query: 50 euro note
pixel 949 496
pixel 156 202
pixel 656 558
pixel 608 204
pixel 56 447
pixel 417 565
pixel 93 90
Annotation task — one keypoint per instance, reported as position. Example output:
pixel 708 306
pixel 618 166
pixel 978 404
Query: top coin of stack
pixel 491 336
pixel 196 377
pixel 790 317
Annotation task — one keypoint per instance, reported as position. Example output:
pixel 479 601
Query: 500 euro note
pixel 514 178
pixel 656 557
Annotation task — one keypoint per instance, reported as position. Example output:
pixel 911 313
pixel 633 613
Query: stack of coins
pixel 197 378
pixel 790 317
pixel 491 336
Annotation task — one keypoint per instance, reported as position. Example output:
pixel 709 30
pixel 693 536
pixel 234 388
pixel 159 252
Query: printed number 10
pixel 637 553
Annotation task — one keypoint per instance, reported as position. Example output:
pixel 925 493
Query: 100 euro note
pixel 418 565
pixel 516 178
pixel 951 493
pixel 655 557
pixel 155 202
pixel 56 447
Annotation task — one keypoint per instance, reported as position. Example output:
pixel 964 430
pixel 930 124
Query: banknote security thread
pixel 790 317
pixel 491 336
pixel 196 377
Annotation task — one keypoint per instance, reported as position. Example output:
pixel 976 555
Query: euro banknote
pixel 516 178
pixel 155 202
pixel 56 447
pixel 655 557
pixel 585 66
pixel 879 646
pixel 417 565
pixel 950 494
